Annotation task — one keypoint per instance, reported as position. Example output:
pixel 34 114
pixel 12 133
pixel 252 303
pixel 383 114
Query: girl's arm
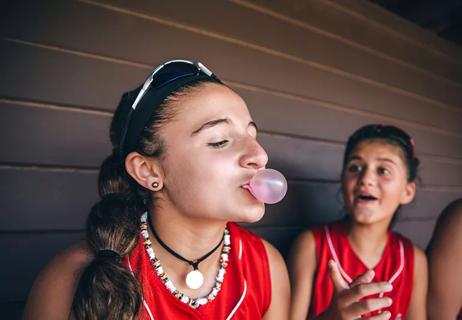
pixel 53 290
pixel 280 287
pixel 417 308
pixel 445 265
pixel 302 264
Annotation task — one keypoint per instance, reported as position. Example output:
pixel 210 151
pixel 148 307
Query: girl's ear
pixel 409 193
pixel 144 170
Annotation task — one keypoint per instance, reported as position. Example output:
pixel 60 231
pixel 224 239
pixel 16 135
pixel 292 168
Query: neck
pixel 190 237
pixel 367 240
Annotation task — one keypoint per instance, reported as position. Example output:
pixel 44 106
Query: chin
pixel 364 217
pixel 252 215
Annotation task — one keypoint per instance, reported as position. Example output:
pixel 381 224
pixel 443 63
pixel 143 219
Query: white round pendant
pixel 194 279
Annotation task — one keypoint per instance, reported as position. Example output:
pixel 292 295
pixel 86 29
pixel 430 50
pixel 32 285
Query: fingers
pixel 366 277
pixel 336 277
pixel 383 316
pixel 360 291
pixel 369 305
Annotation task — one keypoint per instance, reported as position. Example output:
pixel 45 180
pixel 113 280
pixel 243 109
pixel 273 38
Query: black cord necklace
pixel 195 278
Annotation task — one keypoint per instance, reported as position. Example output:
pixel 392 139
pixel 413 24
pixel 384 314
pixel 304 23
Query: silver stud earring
pixel 155 184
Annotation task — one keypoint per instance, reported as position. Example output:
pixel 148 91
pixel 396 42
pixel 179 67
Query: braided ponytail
pixel 107 289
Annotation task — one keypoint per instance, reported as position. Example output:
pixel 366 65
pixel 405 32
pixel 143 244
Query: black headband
pixel 149 102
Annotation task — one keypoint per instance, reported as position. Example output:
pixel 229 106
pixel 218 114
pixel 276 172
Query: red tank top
pixel 245 291
pixel 396 266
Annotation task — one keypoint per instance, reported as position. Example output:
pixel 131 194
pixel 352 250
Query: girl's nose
pixel 254 156
pixel 367 177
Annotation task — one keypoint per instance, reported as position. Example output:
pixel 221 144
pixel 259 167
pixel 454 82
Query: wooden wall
pixel 311 72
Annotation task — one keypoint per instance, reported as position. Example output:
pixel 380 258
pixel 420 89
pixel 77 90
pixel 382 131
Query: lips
pixel 365 198
pixel 248 188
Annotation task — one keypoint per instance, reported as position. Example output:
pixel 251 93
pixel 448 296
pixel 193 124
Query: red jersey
pixel 245 292
pixel 396 267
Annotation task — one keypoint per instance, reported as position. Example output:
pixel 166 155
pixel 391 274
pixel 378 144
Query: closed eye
pixel 218 144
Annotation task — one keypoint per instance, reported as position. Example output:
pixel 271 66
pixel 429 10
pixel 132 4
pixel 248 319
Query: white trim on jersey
pixel 145 304
pixel 347 277
pixel 244 292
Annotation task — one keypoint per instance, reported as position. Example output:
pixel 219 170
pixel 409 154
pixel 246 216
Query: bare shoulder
pixel 280 287
pixel 420 259
pixel 304 241
pixel 302 258
pixel 277 264
pixel 451 217
pixel 417 307
pixel 274 256
pixel 53 290
pixel 447 236
pixel 302 266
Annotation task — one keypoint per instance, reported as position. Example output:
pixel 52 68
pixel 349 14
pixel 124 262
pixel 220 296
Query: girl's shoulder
pixel 411 249
pixel 52 293
pixel 70 262
pixel 311 238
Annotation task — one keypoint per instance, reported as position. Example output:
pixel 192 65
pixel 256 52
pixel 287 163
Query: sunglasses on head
pixel 168 72
pixel 160 78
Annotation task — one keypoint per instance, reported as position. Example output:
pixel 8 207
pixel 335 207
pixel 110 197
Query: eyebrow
pixel 387 160
pixel 213 123
pixel 380 159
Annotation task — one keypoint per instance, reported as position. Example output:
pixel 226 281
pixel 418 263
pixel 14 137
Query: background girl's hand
pixel 346 303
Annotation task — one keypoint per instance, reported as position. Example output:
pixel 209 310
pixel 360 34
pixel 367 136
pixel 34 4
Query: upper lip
pixel 246 186
pixel 365 195
pixel 246 181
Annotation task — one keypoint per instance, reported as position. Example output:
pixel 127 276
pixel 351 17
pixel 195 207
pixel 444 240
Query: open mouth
pixel 365 198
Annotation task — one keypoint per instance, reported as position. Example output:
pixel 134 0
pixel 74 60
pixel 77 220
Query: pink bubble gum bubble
pixel 268 186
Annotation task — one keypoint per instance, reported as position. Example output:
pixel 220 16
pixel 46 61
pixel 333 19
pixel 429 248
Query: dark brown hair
pixel 388 134
pixel 391 135
pixel 107 289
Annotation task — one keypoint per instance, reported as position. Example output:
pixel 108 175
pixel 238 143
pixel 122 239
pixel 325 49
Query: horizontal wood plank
pixel 51 76
pixel 46 200
pixel 49 136
pixel 411 45
pixel 304 80
pixel 42 24
pixel 26 254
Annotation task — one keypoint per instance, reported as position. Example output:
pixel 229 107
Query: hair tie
pixel 108 253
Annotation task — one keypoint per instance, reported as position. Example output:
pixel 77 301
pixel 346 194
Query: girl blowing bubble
pixel 159 243
pixel 357 267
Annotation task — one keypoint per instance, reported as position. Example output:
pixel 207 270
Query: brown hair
pixel 107 289
pixel 390 135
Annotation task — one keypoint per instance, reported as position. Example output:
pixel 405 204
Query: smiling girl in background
pixel 160 244
pixel 357 267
